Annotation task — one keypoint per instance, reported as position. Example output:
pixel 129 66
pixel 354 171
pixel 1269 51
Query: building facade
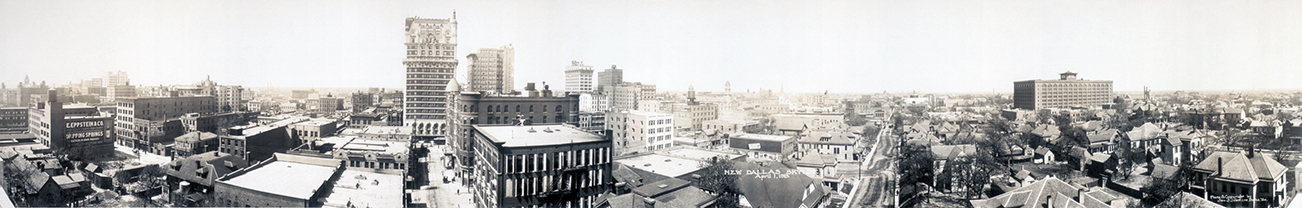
pixel 1067 91
pixel 539 166
pixel 81 131
pixel 13 120
pixel 431 63
pixel 141 121
pixel 607 79
pixel 578 78
pixel 475 108
pixel 492 70
pixel 640 131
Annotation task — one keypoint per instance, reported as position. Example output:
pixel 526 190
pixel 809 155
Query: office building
pixel 143 121
pixel 543 165
pixel 1065 92
pixel 308 131
pixel 766 147
pixel 693 114
pixel 216 123
pixel 13 120
pixel 257 142
pixel 27 90
pixel 81 131
pixel 363 101
pixel 301 94
pixel 578 78
pixel 117 85
pixel 475 108
pixel 607 79
pixel 358 153
pixel 640 131
pixel 194 143
pixel 431 63
pixel 492 70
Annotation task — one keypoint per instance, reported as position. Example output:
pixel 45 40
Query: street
pixel 876 178
pixel 439 194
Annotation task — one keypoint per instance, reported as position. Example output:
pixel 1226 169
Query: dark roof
pixel 211 165
pixel 1164 171
pixel 1036 194
pixel 36 182
pixel 65 182
pixel 1144 132
pixel 1101 157
pixel 627 201
pixel 624 174
pixel 1102 136
pixel 657 188
pixel 1240 167
pixel 196 137
pixel 777 192
pixel 947 152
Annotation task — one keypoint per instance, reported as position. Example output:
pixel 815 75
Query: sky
pixel 838 46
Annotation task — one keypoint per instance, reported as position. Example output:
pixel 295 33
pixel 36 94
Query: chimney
pixel 1252 150
pixel 1049 200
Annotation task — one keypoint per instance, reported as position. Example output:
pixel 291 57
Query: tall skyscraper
pixel 431 63
pixel 578 78
pixel 607 79
pixel 1066 91
pixel 492 70
pixel 117 85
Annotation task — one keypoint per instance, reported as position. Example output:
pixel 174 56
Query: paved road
pixel 444 194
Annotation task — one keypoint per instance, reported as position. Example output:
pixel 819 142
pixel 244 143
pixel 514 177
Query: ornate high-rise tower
pixel 431 63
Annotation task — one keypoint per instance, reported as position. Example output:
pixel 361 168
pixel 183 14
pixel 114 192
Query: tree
pixel 715 180
pixel 1124 154
pixel 970 173
pixel 915 164
pixel 1160 189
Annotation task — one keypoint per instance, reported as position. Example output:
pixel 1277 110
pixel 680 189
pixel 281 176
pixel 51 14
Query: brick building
pixel 1067 91
pixel 141 122
pixel 80 130
pixel 640 131
pixel 542 165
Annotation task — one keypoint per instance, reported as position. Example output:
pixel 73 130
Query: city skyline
pixel 835 46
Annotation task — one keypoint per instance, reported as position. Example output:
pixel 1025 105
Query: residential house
pixel 1051 192
pixel 1234 174
pixel 1103 141
pixel 837 143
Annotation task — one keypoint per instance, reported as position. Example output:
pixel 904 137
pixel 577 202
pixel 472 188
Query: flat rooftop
pixel 663 165
pixel 386 130
pixel 538 135
pixel 272 178
pixel 763 137
pixel 703 155
pixel 366 188
pixel 315 122
pixel 375 146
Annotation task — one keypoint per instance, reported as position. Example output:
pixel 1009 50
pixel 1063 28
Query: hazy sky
pixel 805 46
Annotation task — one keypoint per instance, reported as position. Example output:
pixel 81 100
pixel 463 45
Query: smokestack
pixel 1219 165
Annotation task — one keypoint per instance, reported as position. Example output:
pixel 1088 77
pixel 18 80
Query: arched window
pixel 517 108
pixel 530 108
pixel 558 108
